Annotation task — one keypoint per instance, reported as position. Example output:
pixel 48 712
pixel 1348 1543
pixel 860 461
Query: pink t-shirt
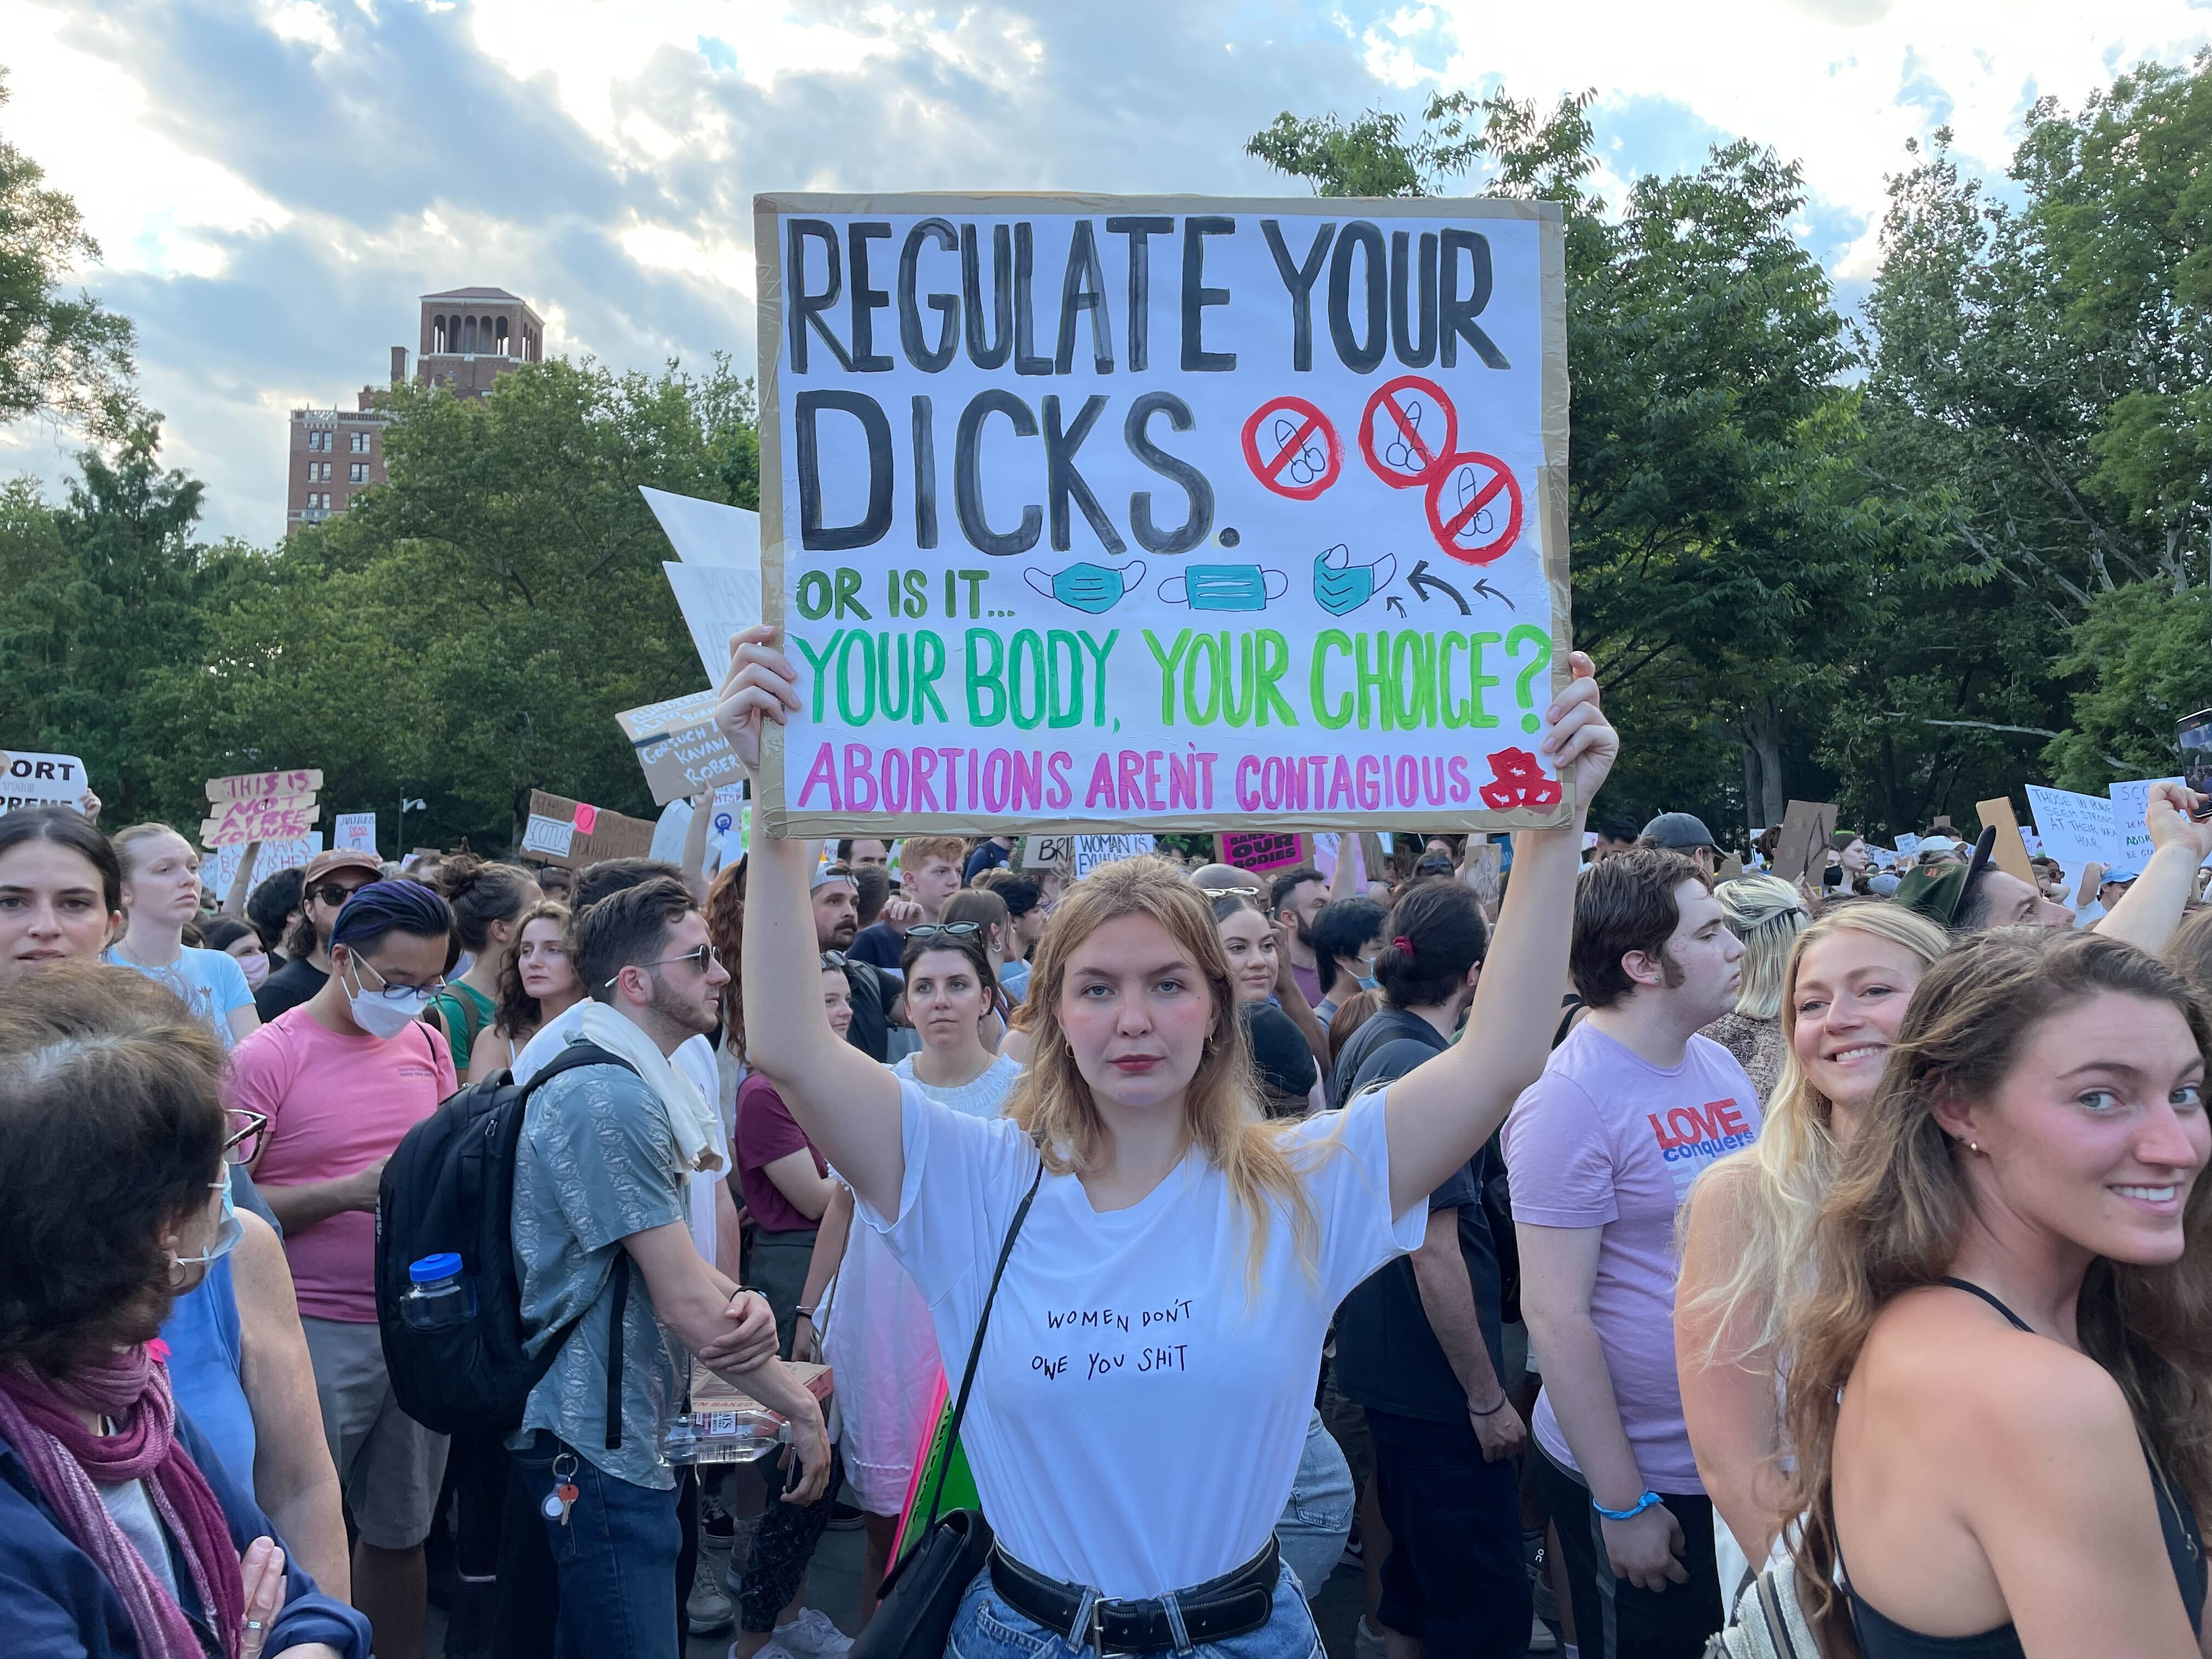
pixel 1606 1139
pixel 335 1105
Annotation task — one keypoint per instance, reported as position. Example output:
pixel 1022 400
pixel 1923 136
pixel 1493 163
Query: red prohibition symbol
pixel 1466 513
pixel 1304 455
pixel 1406 430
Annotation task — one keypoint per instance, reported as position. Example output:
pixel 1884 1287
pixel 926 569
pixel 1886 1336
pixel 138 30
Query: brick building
pixel 469 337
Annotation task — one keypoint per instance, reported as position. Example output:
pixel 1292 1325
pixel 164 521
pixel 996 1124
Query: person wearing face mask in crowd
pixel 121 1530
pixel 330 879
pixel 538 985
pixel 1746 1230
pixel 1346 935
pixel 161 895
pixel 1998 1371
pixel 242 943
pixel 273 907
pixel 339 1081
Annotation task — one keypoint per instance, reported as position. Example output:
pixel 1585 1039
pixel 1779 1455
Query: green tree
pixel 60 354
pixel 467 632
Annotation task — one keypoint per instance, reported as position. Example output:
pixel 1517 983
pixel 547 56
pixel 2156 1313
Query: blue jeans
pixel 1318 1518
pixel 987 1628
pixel 615 1557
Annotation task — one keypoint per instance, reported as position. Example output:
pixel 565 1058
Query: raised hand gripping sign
pixel 1017 451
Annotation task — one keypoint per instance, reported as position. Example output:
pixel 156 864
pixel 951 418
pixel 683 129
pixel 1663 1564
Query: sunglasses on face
pixel 332 894
pixel 706 954
pixel 950 929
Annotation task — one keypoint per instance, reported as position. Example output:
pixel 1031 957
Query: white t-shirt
pixel 694 1058
pixel 1137 1423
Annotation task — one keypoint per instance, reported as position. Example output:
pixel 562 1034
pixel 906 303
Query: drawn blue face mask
pixel 1086 587
pixel 1342 588
pixel 1224 587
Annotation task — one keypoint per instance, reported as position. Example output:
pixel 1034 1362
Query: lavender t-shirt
pixel 1604 1138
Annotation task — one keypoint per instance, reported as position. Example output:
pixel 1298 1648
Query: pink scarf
pixel 38 1417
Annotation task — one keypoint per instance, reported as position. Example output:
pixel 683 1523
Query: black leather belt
pixel 1232 1605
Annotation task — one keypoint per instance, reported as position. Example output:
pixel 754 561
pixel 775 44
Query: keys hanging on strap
pixel 562 1497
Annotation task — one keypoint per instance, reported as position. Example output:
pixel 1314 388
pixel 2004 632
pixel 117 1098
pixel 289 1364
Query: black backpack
pixel 449 1186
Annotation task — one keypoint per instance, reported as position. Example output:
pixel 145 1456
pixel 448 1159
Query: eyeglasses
pixel 702 958
pixel 835 958
pixel 1223 892
pixel 384 987
pixel 242 1144
pixel 954 929
pixel 332 894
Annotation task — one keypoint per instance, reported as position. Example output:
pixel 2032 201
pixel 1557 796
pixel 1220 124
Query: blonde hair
pixel 1779 1182
pixel 1767 913
pixel 1900 1208
pixel 1054 1103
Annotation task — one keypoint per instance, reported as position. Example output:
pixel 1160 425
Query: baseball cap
pixel 2122 874
pixel 1680 832
pixel 1942 846
pixel 826 873
pixel 1938 890
pixel 342 857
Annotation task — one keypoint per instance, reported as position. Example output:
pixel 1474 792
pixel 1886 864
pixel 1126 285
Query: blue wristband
pixel 1641 1505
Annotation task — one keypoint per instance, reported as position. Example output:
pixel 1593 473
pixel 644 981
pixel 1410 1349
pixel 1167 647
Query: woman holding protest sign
pixel 1170 1259
pixel 161 895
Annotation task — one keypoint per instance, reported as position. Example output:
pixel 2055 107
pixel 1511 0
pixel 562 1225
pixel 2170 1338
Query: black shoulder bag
pixel 921 1592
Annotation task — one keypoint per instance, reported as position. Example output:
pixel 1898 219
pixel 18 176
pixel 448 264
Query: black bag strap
pixel 975 1348
pixel 571 1056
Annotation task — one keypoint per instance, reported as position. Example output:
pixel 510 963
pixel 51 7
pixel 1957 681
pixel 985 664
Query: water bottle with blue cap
pixel 437 1295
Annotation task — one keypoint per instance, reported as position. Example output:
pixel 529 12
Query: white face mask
pixel 382 1015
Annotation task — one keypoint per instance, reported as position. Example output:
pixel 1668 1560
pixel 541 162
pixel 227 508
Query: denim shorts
pixel 987 1628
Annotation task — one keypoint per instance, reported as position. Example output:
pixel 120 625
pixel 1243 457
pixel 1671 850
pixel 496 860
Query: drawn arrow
pixel 1421 581
pixel 1396 603
pixel 1483 587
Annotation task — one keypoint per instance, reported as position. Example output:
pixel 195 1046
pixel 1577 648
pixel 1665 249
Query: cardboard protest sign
pixel 263 786
pixel 32 778
pixel 680 747
pixel 1092 851
pixel 1045 853
pixel 2009 851
pixel 1095 511
pixel 354 830
pixel 1801 851
pixel 272 817
pixel 1265 851
pixel 2132 846
pixel 268 860
pixel 2076 829
pixel 573 833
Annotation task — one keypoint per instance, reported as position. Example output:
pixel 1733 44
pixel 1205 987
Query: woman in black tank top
pixel 2002 1370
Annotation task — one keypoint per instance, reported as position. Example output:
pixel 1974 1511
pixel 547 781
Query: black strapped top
pixel 1883 1638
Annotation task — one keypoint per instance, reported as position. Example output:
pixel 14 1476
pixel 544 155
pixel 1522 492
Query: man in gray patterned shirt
pixel 599 1175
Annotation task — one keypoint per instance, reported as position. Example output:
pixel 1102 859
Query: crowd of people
pixel 1566 1235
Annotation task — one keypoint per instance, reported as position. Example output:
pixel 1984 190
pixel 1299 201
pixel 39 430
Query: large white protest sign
pixel 716 600
pixel 32 778
pixel 354 830
pixel 707 533
pixel 2076 829
pixel 2131 807
pixel 1150 512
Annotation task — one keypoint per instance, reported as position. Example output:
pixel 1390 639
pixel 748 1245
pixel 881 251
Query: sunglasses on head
pixel 950 929
pixel 835 958
pixel 1231 892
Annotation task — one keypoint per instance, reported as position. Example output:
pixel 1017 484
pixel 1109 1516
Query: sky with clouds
pixel 275 182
